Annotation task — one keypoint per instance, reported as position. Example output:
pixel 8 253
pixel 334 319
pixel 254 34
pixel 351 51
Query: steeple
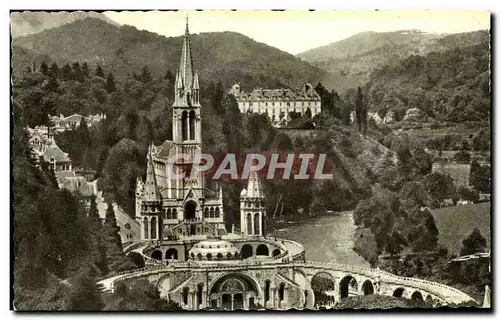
pixel 150 189
pixel 186 66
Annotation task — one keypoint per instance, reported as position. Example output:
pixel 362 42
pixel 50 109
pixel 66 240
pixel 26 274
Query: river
pixel 326 238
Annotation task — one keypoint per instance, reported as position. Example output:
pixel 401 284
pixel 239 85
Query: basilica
pixel 185 205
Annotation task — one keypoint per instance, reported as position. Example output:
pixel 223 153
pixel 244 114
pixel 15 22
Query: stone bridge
pixel 277 285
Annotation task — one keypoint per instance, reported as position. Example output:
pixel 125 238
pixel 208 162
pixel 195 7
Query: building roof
pixel 305 93
pixel 163 151
pixel 74 117
pixel 254 188
pixel 78 184
pixel 214 247
pixel 53 151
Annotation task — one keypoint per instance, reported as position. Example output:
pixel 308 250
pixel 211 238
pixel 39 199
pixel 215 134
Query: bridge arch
pixel 246 251
pixel 367 288
pixel 347 282
pixel 323 286
pixel 276 252
pixel 156 254
pixel 417 296
pixel 398 293
pixel 262 250
pixel 171 254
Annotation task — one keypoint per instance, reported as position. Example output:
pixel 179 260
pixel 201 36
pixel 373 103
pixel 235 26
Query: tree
pixel 439 186
pixel 468 194
pixel 54 70
pixel 141 296
pixel 480 177
pixel 462 156
pixel 169 76
pixel 44 69
pixel 145 75
pixel 84 294
pixel 423 161
pixel 474 243
pixel 110 83
pixel 77 72
pixel 115 259
pixel 85 70
pixel 308 113
pixel 99 72
pixel 67 72
pixel 98 254
pixel 361 112
pixel 53 84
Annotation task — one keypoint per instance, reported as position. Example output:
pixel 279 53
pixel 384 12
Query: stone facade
pixel 278 103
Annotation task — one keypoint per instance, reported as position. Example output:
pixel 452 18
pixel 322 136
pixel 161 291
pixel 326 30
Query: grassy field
pixel 458 172
pixel 456 223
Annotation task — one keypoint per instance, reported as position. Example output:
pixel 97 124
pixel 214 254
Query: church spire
pixel 186 66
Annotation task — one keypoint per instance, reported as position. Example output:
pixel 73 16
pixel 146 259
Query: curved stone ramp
pixel 444 292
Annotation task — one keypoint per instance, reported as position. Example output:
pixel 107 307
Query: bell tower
pixel 187 118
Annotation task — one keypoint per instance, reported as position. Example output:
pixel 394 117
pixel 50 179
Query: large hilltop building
pixel 278 103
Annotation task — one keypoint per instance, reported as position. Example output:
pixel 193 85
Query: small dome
pixel 243 192
pixel 214 250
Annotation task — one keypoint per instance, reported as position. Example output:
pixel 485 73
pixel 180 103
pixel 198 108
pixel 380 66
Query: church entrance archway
pixel 233 291
pixel 190 210
pixel 246 251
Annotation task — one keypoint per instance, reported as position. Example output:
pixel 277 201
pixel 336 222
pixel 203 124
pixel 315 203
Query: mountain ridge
pixel 32 22
pixel 228 56
pixel 352 60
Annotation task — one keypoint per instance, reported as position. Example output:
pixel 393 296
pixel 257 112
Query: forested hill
pixel 228 57
pixel 453 85
pixel 352 60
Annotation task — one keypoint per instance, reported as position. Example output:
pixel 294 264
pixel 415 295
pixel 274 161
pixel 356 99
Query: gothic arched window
pixel 192 119
pixel 184 125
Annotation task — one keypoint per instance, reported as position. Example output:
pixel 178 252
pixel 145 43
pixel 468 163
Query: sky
pixel 298 31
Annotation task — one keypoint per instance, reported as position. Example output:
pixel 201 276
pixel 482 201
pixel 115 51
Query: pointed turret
pixel 150 189
pixel 254 189
pixel 196 85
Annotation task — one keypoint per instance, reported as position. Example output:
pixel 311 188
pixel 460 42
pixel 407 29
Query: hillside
pixel 31 22
pixel 455 223
pixel 228 56
pixel 452 85
pixel 352 60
